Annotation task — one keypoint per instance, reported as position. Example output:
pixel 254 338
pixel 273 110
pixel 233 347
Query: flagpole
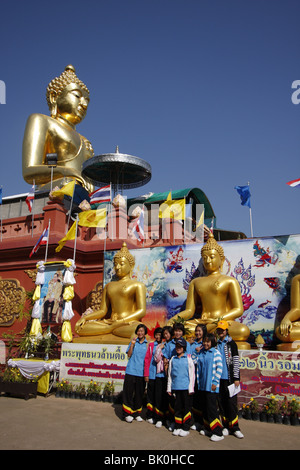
pixel 32 216
pixel 46 254
pixel 250 213
pixel 75 242
pixel 70 210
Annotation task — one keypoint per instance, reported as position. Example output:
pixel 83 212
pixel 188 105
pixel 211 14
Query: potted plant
pixel 246 411
pixel 108 390
pixel 293 407
pixel 271 408
pixel 14 383
pixel 80 391
pixel 284 409
pixel 93 391
pixel 254 408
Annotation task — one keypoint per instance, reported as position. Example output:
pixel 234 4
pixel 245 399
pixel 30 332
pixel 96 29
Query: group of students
pixel 187 382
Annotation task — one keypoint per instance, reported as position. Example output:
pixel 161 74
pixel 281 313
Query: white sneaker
pixel 158 424
pixel 139 419
pixel 183 433
pixel 129 419
pixel 150 420
pixel 171 427
pixel 238 434
pixel 225 432
pixel 204 432
pixel 216 438
pixel 176 432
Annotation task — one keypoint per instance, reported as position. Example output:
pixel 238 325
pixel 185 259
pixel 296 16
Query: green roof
pixel 195 193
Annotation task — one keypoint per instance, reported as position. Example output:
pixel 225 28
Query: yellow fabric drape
pixel 66 332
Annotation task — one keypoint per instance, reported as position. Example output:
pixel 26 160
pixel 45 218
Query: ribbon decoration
pixel 68 295
pixel 36 327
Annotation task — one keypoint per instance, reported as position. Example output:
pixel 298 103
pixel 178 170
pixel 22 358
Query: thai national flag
pixel 294 183
pixel 43 240
pixel 138 229
pixel 30 198
pixel 101 195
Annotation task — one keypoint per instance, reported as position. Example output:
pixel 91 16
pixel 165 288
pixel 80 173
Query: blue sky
pixel 200 89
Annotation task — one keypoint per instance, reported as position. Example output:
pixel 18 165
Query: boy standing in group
pixel 181 379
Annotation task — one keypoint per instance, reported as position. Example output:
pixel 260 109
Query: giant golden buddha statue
pixel 218 295
pixel 68 100
pixel 123 299
pixel 289 329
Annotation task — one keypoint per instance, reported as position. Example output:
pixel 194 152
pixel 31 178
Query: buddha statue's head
pixel 123 261
pixel 68 97
pixel 212 255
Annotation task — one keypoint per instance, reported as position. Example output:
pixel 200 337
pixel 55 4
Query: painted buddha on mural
pixel 68 100
pixel 218 295
pixel 123 303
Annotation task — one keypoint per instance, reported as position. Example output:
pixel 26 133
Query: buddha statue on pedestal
pixel 124 300
pixel 289 329
pixel 68 100
pixel 218 295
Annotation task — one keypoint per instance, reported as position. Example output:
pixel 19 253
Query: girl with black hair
pixel 134 383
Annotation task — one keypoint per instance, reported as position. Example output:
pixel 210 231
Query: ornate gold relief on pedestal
pixel 12 299
pixel 94 297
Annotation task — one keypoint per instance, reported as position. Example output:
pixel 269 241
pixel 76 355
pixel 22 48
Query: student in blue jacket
pixel 196 346
pixel 209 371
pixel 181 379
pixel 134 383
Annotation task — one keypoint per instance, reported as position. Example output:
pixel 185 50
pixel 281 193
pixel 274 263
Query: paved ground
pixel 67 424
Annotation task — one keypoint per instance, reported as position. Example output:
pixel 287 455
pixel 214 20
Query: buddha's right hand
pixel 285 327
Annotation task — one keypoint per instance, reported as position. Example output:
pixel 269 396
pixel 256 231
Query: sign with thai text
pixel 268 373
pixel 81 363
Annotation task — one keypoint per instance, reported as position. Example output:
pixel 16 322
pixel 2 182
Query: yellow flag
pixel 172 209
pixel 67 190
pixel 201 220
pixel 91 218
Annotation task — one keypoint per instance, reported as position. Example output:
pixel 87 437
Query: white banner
pixel 81 363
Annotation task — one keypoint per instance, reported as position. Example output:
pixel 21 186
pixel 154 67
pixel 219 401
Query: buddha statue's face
pixel 122 267
pixel 72 103
pixel 211 261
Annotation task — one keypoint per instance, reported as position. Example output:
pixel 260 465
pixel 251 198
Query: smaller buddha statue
pixel 289 329
pixel 123 299
pixel 68 100
pixel 218 295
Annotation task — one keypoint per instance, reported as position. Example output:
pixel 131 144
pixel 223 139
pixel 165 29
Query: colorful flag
pixel 41 241
pixel 294 183
pixel 91 218
pixel 66 190
pixel 138 229
pixel 101 195
pixel 30 198
pixel 172 209
pixel 244 192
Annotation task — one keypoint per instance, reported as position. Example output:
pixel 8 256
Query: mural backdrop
pixel 264 268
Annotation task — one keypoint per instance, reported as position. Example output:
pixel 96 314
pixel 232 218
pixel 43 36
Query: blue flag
pixel 245 195
pixel 1 195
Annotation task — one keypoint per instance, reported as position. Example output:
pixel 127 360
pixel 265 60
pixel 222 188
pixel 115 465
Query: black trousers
pixel 211 412
pixel 157 398
pixel 133 393
pixel 228 407
pixel 182 409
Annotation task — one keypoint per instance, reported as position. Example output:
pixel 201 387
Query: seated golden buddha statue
pixel 218 295
pixel 123 299
pixel 289 329
pixel 68 100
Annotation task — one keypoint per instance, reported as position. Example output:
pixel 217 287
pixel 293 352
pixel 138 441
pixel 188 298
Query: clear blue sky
pixel 200 89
